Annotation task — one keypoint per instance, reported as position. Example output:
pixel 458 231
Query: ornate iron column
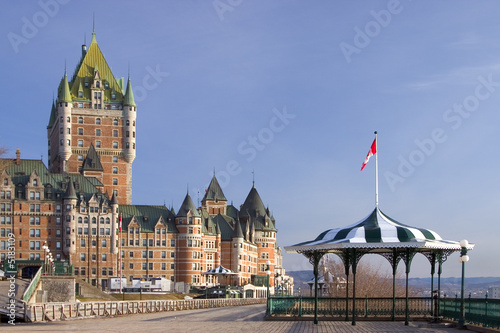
pixel 314 258
pixel 408 257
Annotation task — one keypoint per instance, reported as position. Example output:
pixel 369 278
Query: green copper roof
pixel 85 72
pixel 129 95
pixel 147 217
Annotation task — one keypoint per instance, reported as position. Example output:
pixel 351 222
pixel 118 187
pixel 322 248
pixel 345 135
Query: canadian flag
pixel 371 152
pixel 120 225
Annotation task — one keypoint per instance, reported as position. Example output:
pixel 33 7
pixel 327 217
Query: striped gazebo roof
pixel 377 232
pixel 220 270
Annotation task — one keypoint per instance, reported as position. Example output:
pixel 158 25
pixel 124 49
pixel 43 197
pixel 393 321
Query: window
pixel 80 131
pixel 98 120
pixel 80 94
pixel 98 144
pixel 68 119
pixel 80 120
pixel 131 266
pixel 115 170
pixel 115 144
pixel 127 123
pixel 98 132
pixel 82 242
pixel 115 133
pixel 115 122
pixel 68 130
pixel 104 243
pixel 163 254
pixel 115 159
pixel 144 254
pixel 115 181
pixel 82 258
pixel 80 143
pixel 58 245
pixel 144 266
pixel 80 158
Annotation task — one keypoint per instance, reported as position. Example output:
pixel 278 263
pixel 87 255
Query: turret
pixel 129 113
pixel 64 104
pixel 115 225
pixel 69 235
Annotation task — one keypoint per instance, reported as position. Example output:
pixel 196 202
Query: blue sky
pixel 292 90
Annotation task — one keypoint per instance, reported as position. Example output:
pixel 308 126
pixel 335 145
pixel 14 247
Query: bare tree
pixel 372 280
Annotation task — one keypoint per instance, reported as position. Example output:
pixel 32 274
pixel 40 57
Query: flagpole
pixel 376 171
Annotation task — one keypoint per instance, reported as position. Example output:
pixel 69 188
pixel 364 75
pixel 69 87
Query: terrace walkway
pixel 249 318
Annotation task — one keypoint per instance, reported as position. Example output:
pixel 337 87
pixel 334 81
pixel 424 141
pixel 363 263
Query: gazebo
pixel 218 271
pixel 377 234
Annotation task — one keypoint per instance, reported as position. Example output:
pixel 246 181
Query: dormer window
pixel 106 85
pixel 113 96
pixel 86 84
pixel 35 182
pixel 80 94
pixel 98 84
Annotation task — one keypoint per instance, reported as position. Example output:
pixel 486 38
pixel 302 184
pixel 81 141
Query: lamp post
pixel 463 259
pixel 268 272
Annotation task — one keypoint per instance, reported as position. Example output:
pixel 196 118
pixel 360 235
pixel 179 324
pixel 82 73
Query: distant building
pixel 494 292
pixel 80 205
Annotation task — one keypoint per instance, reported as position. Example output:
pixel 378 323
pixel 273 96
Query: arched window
pixel 68 119
pixel 115 122
pixel 80 120
pixel 98 121
pixel 94 220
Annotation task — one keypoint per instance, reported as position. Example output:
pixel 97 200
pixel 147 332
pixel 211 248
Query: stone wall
pixel 59 288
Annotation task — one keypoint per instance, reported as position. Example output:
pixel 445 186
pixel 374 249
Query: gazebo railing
pixel 479 311
pixel 336 307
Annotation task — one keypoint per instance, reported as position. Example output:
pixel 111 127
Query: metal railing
pixel 478 311
pixel 483 312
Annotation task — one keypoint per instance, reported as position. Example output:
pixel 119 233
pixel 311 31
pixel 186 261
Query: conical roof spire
pixel 64 93
pixel 53 111
pixel 92 161
pixel 214 191
pixel 129 95
pixel 237 232
pixel 70 191
pixel 188 205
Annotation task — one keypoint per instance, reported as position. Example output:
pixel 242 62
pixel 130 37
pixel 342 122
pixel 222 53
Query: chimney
pixel 18 156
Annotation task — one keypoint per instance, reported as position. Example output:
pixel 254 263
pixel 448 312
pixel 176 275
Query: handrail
pixel 32 286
